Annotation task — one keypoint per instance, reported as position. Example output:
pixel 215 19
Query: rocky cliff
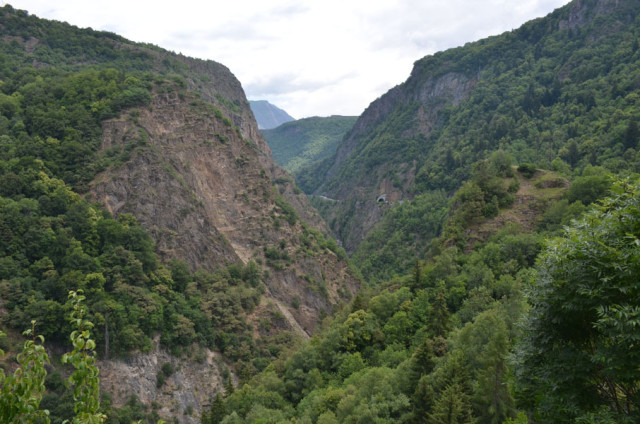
pixel 174 387
pixel 364 174
pixel 212 196
pixel 197 172
pixel 200 187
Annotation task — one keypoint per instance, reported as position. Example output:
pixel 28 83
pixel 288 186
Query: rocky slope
pixel 362 190
pixel 182 395
pixel 193 168
pixel 200 188
pixel 200 175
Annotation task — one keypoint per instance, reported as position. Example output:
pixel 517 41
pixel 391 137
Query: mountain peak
pixel 267 115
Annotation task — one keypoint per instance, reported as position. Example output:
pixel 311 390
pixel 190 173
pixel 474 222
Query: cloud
pixel 308 57
pixel 278 85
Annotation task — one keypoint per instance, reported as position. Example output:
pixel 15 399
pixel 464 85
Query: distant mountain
pixel 267 115
pixel 300 143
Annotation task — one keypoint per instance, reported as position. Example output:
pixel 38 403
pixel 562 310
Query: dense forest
pixel 501 287
pixel 300 143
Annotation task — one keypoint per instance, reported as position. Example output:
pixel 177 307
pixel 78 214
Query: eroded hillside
pixel 199 186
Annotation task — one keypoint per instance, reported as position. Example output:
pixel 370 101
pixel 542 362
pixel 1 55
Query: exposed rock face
pixel 182 395
pixel 580 13
pixel 201 189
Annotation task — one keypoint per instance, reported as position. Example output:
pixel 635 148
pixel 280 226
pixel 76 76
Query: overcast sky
pixel 310 58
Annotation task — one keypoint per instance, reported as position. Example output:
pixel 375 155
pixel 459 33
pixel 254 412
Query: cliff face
pixel 203 191
pixel 183 395
pixel 362 191
pixel 199 186
pixel 193 168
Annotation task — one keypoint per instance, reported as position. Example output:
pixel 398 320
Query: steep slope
pixel 267 115
pixel 200 188
pixel 300 143
pixel 544 91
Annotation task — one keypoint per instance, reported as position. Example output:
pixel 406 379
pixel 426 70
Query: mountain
pixel 559 92
pixel 140 176
pixel 267 115
pixel 300 143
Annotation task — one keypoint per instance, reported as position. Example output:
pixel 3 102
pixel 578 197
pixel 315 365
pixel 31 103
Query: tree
pixel 452 407
pixel 439 315
pixel 631 134
pixel 216 412
pixel 580 352
pixel 23 390
pixel 452 392
pixel 84 379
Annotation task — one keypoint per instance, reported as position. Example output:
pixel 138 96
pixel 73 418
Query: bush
pixel 527 169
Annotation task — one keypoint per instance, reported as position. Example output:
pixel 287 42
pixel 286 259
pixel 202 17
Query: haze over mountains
pixel 216 290
pixel 267 115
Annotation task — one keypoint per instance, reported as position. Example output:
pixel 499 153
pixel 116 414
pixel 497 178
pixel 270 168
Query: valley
pixel 465 251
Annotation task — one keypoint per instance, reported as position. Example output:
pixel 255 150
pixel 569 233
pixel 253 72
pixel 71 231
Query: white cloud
pixel 307 57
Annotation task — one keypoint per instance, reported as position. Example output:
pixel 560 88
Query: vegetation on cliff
pixel 497 291
pixel 59 86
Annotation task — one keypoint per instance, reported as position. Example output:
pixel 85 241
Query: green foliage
pixel 403 234
pixel 548 95
pixel 589 188
pixel 22 391
pixel 576 357
pixel 527 169
pixel 84 379
pixel 299 143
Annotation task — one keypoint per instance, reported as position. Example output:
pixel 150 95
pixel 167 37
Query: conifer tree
pixel 439 315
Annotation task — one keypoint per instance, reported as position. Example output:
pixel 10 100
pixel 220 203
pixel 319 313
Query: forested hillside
pixel 300 143
pixel 501 276
pixel 447 342
pixel 560 92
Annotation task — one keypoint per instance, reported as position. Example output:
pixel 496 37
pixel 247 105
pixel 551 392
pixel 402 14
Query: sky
pixel 310 58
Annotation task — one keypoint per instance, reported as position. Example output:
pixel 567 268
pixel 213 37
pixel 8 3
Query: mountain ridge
pixel 425 133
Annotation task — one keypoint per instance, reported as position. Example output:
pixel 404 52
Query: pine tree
pixel 494 402
pixel 453 406
pixel 439 315
pixel 216 412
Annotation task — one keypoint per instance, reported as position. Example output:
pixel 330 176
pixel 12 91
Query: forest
pixel 503 290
